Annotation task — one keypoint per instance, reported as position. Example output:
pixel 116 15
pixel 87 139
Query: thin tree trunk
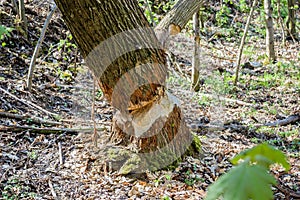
pixel 270 30
pixel 23 18
pixel 15 7
pixel 240 53
pixel 196 57
pixel 291 22
pixel 37 49
pixel 279 18
pixel 125 56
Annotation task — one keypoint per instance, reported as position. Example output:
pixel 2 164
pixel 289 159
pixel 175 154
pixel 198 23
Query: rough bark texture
pixel 196 58
pixel 177 18
pixel 124 54
pixel 270 30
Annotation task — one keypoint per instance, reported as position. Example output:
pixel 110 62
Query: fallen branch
pixel 52 189
pixel 28 103
pixel 16 128
pixel 210 127
pixel 27 117
pixel 61 160
pixel 289 120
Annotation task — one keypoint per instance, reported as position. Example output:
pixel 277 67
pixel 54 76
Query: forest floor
pixel 52 156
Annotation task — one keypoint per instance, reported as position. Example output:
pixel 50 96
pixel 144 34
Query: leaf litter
pixel 69 166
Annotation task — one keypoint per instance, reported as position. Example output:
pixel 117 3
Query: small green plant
pixel 32 155
pixel 222 16
pixel 168 177
pixel 14 189
pixel 5 31
pixel 166 198
pixel 191 178
pixel 250 179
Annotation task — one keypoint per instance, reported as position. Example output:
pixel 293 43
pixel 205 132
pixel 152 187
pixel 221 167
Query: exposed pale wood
pixel 177 18
pixel 99 28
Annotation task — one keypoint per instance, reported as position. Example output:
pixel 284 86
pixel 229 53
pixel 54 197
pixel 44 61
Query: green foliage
pixel 5 31
pixel 250 179
pixel 166 198
pixel 243 182
pixel 191 178
pixel 222 16
pixel 243 6
pixel 14 189
pixel 263 155
pixel 154 10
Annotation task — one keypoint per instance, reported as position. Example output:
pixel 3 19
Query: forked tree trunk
pixel 124 54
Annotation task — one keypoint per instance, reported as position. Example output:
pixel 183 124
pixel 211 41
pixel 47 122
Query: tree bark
pixel 269 31
pixel 124 54
pixel 291 22
pixel 240 51
pixel 23 18
pixel 177 18
pixel 196 57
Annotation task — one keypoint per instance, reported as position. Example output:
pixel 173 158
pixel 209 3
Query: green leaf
pixel 4 31
pixel 243 182
pixel 264 155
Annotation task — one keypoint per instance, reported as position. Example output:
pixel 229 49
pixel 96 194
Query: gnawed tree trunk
pixel 177 18
pixel 269 30
pixel 124 54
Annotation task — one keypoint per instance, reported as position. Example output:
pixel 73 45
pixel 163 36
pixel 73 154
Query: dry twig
pixel 27 117
pixel 16 128
pixel 28 103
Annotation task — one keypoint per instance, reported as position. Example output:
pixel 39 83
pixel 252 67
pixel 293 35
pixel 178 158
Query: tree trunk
pixel 196 57
pixel 177 18
pixel 124 54
pixel 291 22
pixel 23 18
pixel 269 31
